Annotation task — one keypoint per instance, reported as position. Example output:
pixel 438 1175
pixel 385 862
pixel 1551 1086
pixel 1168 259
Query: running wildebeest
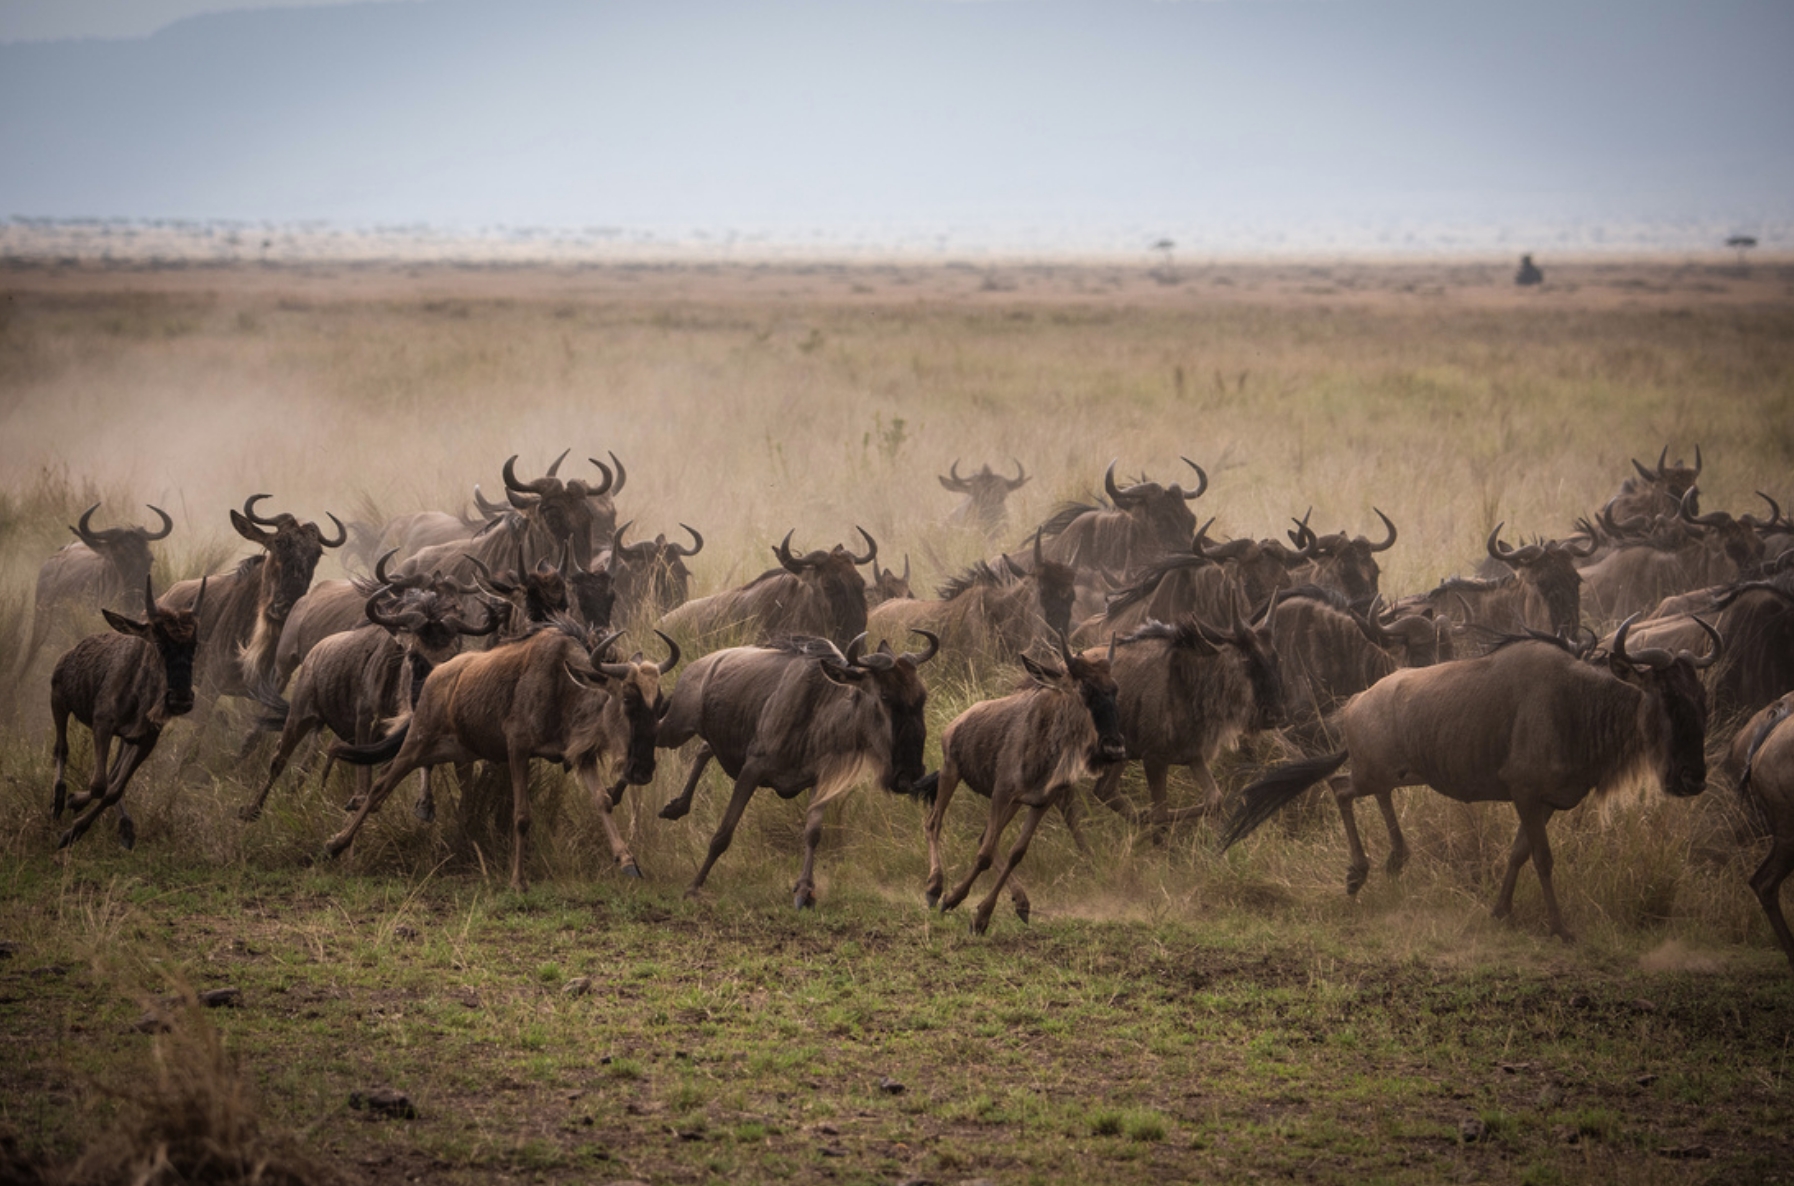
pixel 1339 561
pixel 1141 524
pixel 124 685
pixel 1529 723
pixel 548 695
pixel 793 715
pixel 819 593
pixel 649 576
pixel 101 568
pixel 1027 749
pixel 988 612
pixel 1762 763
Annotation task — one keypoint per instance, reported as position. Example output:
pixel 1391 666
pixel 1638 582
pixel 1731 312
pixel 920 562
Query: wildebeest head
pixel 1056 585
pixel 1094 682
pixel 835 574
pixel 636 686
pixel 653 572
pixel 573 512
pixel 1739 538
pixel 895 682
pixel 175 635
pixel 1260 566
pixel 1165 509
pixel 1346 563
pixel 887 585
pixel 429 621
pixel 1671 681
pixel 535 594
pixel 985 491
pixel 1658 491
pixel 125 548
pixel 1257 651
pixel 1548 570
pixel 293 550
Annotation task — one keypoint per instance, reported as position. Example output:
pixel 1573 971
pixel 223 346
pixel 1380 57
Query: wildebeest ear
pixel 246 529
pixel 126 625
pixel 841 674
pixel 1041 671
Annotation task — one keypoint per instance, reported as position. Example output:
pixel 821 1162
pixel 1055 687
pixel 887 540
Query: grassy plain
pixel 1167 1016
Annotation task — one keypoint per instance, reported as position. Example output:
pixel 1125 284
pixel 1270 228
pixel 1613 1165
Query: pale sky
pixel 794 114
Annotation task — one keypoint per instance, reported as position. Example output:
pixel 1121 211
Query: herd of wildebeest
pixel 1570 665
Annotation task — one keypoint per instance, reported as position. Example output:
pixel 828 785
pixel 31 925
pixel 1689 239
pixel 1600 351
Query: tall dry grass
pixel 752 403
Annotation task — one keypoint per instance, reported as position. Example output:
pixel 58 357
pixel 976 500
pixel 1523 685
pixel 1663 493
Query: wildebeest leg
pixel 425 807
pixel 1358 870
pixel 1532 842
pixel 1398 844
pixel 127 827
pixel 61 754
pixel 389 778
pixel 725 831
pixel 602 800
pixel 297 730
pixel 981 920
pixel 804 892
pixel 363 775
pixel 1767 882
pixel 677 808
pixel 931 827
pixel 1107 794
pixel 1018 898
pixel 1003 806
pixel 131 756
pixel 1068 807
pixel 520 820
pixel 97 780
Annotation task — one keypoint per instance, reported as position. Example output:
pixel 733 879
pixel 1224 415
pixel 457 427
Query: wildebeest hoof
pixel 803 899
pixel 1355 879
pixel 1024 911
pixel 68 838
pixel 675 809
pixel 630 870
pixel 127 833
pixel 249 813
pixel 980 924
pixel 1395 865
pixel 333 847
pixel 934 899
pixel 425 810
pixel 353 805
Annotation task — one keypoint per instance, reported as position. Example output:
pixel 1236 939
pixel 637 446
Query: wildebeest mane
pixel 978 574
pixel 1150 580
pixel 807 645
pixel 1068 512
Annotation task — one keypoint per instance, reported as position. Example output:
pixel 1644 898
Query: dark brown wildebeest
pixel 1141 524
pixel 125 685
pixel 1761 762
pixel 793 715
pixel 240 629
pixel 648 577
pixel 1030 749
pixel 985 612
pixel 573 512
pixel 887 585
pixel 1329 651
pixel 1530 723
pixel 1543 591
pixel 1339 561
pixel 547 695
pixel 1655 492
pixel 1756 618
pixel 353 680
pixel 985 495
pixel 1691 552
pixel 1214 582
pixel 101 568
pixel 818 593
pixel 1187 692
pixel 331 607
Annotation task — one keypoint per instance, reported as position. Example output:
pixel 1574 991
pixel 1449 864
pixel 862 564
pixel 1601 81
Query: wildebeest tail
pixel 925 787
pixel 1260 801
pixel 384 749
pixel 274 716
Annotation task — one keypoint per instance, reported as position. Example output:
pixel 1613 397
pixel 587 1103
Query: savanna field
pixel 1168 1014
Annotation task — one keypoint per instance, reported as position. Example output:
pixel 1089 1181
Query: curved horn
pixel 1653 657
pixel 1116 495
pixel 952 481
pixel 1021 475
pixel 622 474
pixel 167 523
pixel 1199 541
pixel 197 601
pixel 1388 543
pixel 249 511
pixel 87 534
pixel 553 469
pixel 488 508
pixel 934 646
pixel 342 533
pixel 673 655
pixel 1685 512
pixel 1512 556
pixel 610 482
pixel 1697 459
pixel 854 647
pixel 1661 458
pixel 1775 514
pixel 697 543
pixel 786 559
pixel 379 617
pixel 1712 656
pixel 486 581
pixel 490 626
pixel 871 547
pixel 905 565
pixel 380 573
pixel 1201 481
pixel 514 484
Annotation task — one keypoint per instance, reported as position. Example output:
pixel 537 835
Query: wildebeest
pixel 1339 561
pixel 987 612
pixel 1329 651
pixel 1756 618
pixel 1213 582
pixel 649 576
pixel 240 628
pixel 887 583
pixel 101 568
pixel 353 680
pixel 793 715
pixel 1543 590
pixel 549 695
pixel 985 492
pixel 818 593
pixel 1187 692
pixel 1690 552
pixel 1142 523
pixel 580 515
pixel 1655 492
pixel 1025 749
pixel 126 684
pixel 1761 762
pixel 331 607
pixel 1529 723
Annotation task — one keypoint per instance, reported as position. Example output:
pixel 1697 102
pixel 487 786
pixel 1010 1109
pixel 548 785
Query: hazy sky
pixel 792 114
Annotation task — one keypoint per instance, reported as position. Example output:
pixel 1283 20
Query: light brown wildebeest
pixel 1142 523
pixel 797 714
pixel 1530 723
pixel 548 695
pixel 819 593
pixel 1329 651
pixel 125 685
pixel 101 568
pixel 985 492
pixel 1027 749
pixel 1543 591
pixel 1761 762
pixel 986 612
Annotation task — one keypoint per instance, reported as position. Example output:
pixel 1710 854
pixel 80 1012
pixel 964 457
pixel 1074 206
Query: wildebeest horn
pixel 673 654
pixel 342 533
pixel 1201 481
pixel 1775 514
pixel 1021 475
pixel 952 480
pixel 249 511
pixel 1646 474
pixel 380 573
pixel 1039 560
pixel 871 547
pixel 786 559
pixel 905 563
pixel 486 581
pixel 488 508
pixel 197 601
pixel 553 469
pixel 377 615
pixel 85 532
pixel 622 474
pixel 167 523
pixel 1697 459
pixel 1116 494
pixel 610 482
pixel 1388 543
pixel 513 484
pixel 697 543
pixel 1500 551
pixel 1661 458
pixel 1712 656
pixel 490 626
pixel 934 647
pixel 853 648
pixel 1685 512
